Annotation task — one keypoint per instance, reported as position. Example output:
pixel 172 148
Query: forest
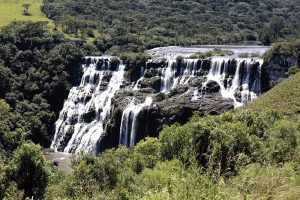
pixel 248 153
pixel 137 25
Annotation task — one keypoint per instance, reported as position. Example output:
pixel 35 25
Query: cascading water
pixel 142 73
pixel 243 86
pixel 168 76
pixel 178 73
pixel 82 122
pixel 129 122
pixel 88 100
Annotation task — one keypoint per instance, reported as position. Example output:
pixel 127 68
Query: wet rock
pixel 180 89
pixel 111 136
pixel 107 76
pixel 66 138
pixel 197 82
pixel 212 87
pixel 206 65
pixel 154 82
pixel 114 64
pixel 155 64
pixel 276 69
pixel 55 163
pixel 151 73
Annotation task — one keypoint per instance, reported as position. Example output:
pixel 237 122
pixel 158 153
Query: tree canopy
pixel 144 24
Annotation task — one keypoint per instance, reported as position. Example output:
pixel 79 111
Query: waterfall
pixel 189 68
pixel 245 82
pixel 168 76
pixel 87 107
pixel 82 121
pixel 129 122
pixel 142 73
pixel 178 73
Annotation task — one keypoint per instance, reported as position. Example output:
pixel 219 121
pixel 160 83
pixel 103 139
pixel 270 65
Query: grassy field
pixel 12 10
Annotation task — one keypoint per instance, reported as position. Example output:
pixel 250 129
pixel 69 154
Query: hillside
pixel 12 10
pixel 284 98
pixel 138 25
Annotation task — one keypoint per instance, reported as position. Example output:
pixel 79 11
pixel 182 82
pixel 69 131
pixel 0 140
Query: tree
pixel 276 25
pixel 26 7
pixel 29 170
pixel 266 36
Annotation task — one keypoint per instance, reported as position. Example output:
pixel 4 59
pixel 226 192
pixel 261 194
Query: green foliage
pixel 283 98
pixel 215 52
pixel 282 144
pixel 231 156
pixel 248 55
pixel 293 70
pixel 29 170
pixel 143 24
pixel 36 66
pixel 286 49
pixel 14 11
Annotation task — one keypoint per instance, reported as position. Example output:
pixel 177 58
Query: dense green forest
pixel 250 153
pixel 36 65
pixel 137 25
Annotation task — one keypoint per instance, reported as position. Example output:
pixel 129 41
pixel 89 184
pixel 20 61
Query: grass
pixel 284 97
pixel 12 10
pixel 264 182
pixel 215 52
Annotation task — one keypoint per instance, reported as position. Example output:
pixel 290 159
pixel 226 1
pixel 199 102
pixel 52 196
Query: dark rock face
pixel 176 106
pixel 212 87
pixel 153 82
pixel 66 138
pixel 276 70
pixel 166 109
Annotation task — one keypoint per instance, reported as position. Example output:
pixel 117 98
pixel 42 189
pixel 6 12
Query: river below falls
pixel 59 159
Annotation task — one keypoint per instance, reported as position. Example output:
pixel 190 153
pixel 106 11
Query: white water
pixel 219 73
pixel 86 135
pixel 129 122
pixel 168 76
pixel 171 52
pixel 90 97
pixel 187 70
pixel 142 73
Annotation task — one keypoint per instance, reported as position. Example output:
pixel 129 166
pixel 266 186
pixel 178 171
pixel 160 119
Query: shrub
pixel 293 70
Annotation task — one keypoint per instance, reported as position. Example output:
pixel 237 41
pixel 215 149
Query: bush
pixel 293 70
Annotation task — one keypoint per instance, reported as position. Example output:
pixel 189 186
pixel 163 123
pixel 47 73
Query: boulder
pixel 212 87
pixel 154 83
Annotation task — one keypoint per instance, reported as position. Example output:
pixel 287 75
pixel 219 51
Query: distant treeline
pixel 136 25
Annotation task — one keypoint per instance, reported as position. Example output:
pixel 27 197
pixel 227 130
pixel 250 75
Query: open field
pixel 12 10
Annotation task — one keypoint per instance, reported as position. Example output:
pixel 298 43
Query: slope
pixel 284 98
